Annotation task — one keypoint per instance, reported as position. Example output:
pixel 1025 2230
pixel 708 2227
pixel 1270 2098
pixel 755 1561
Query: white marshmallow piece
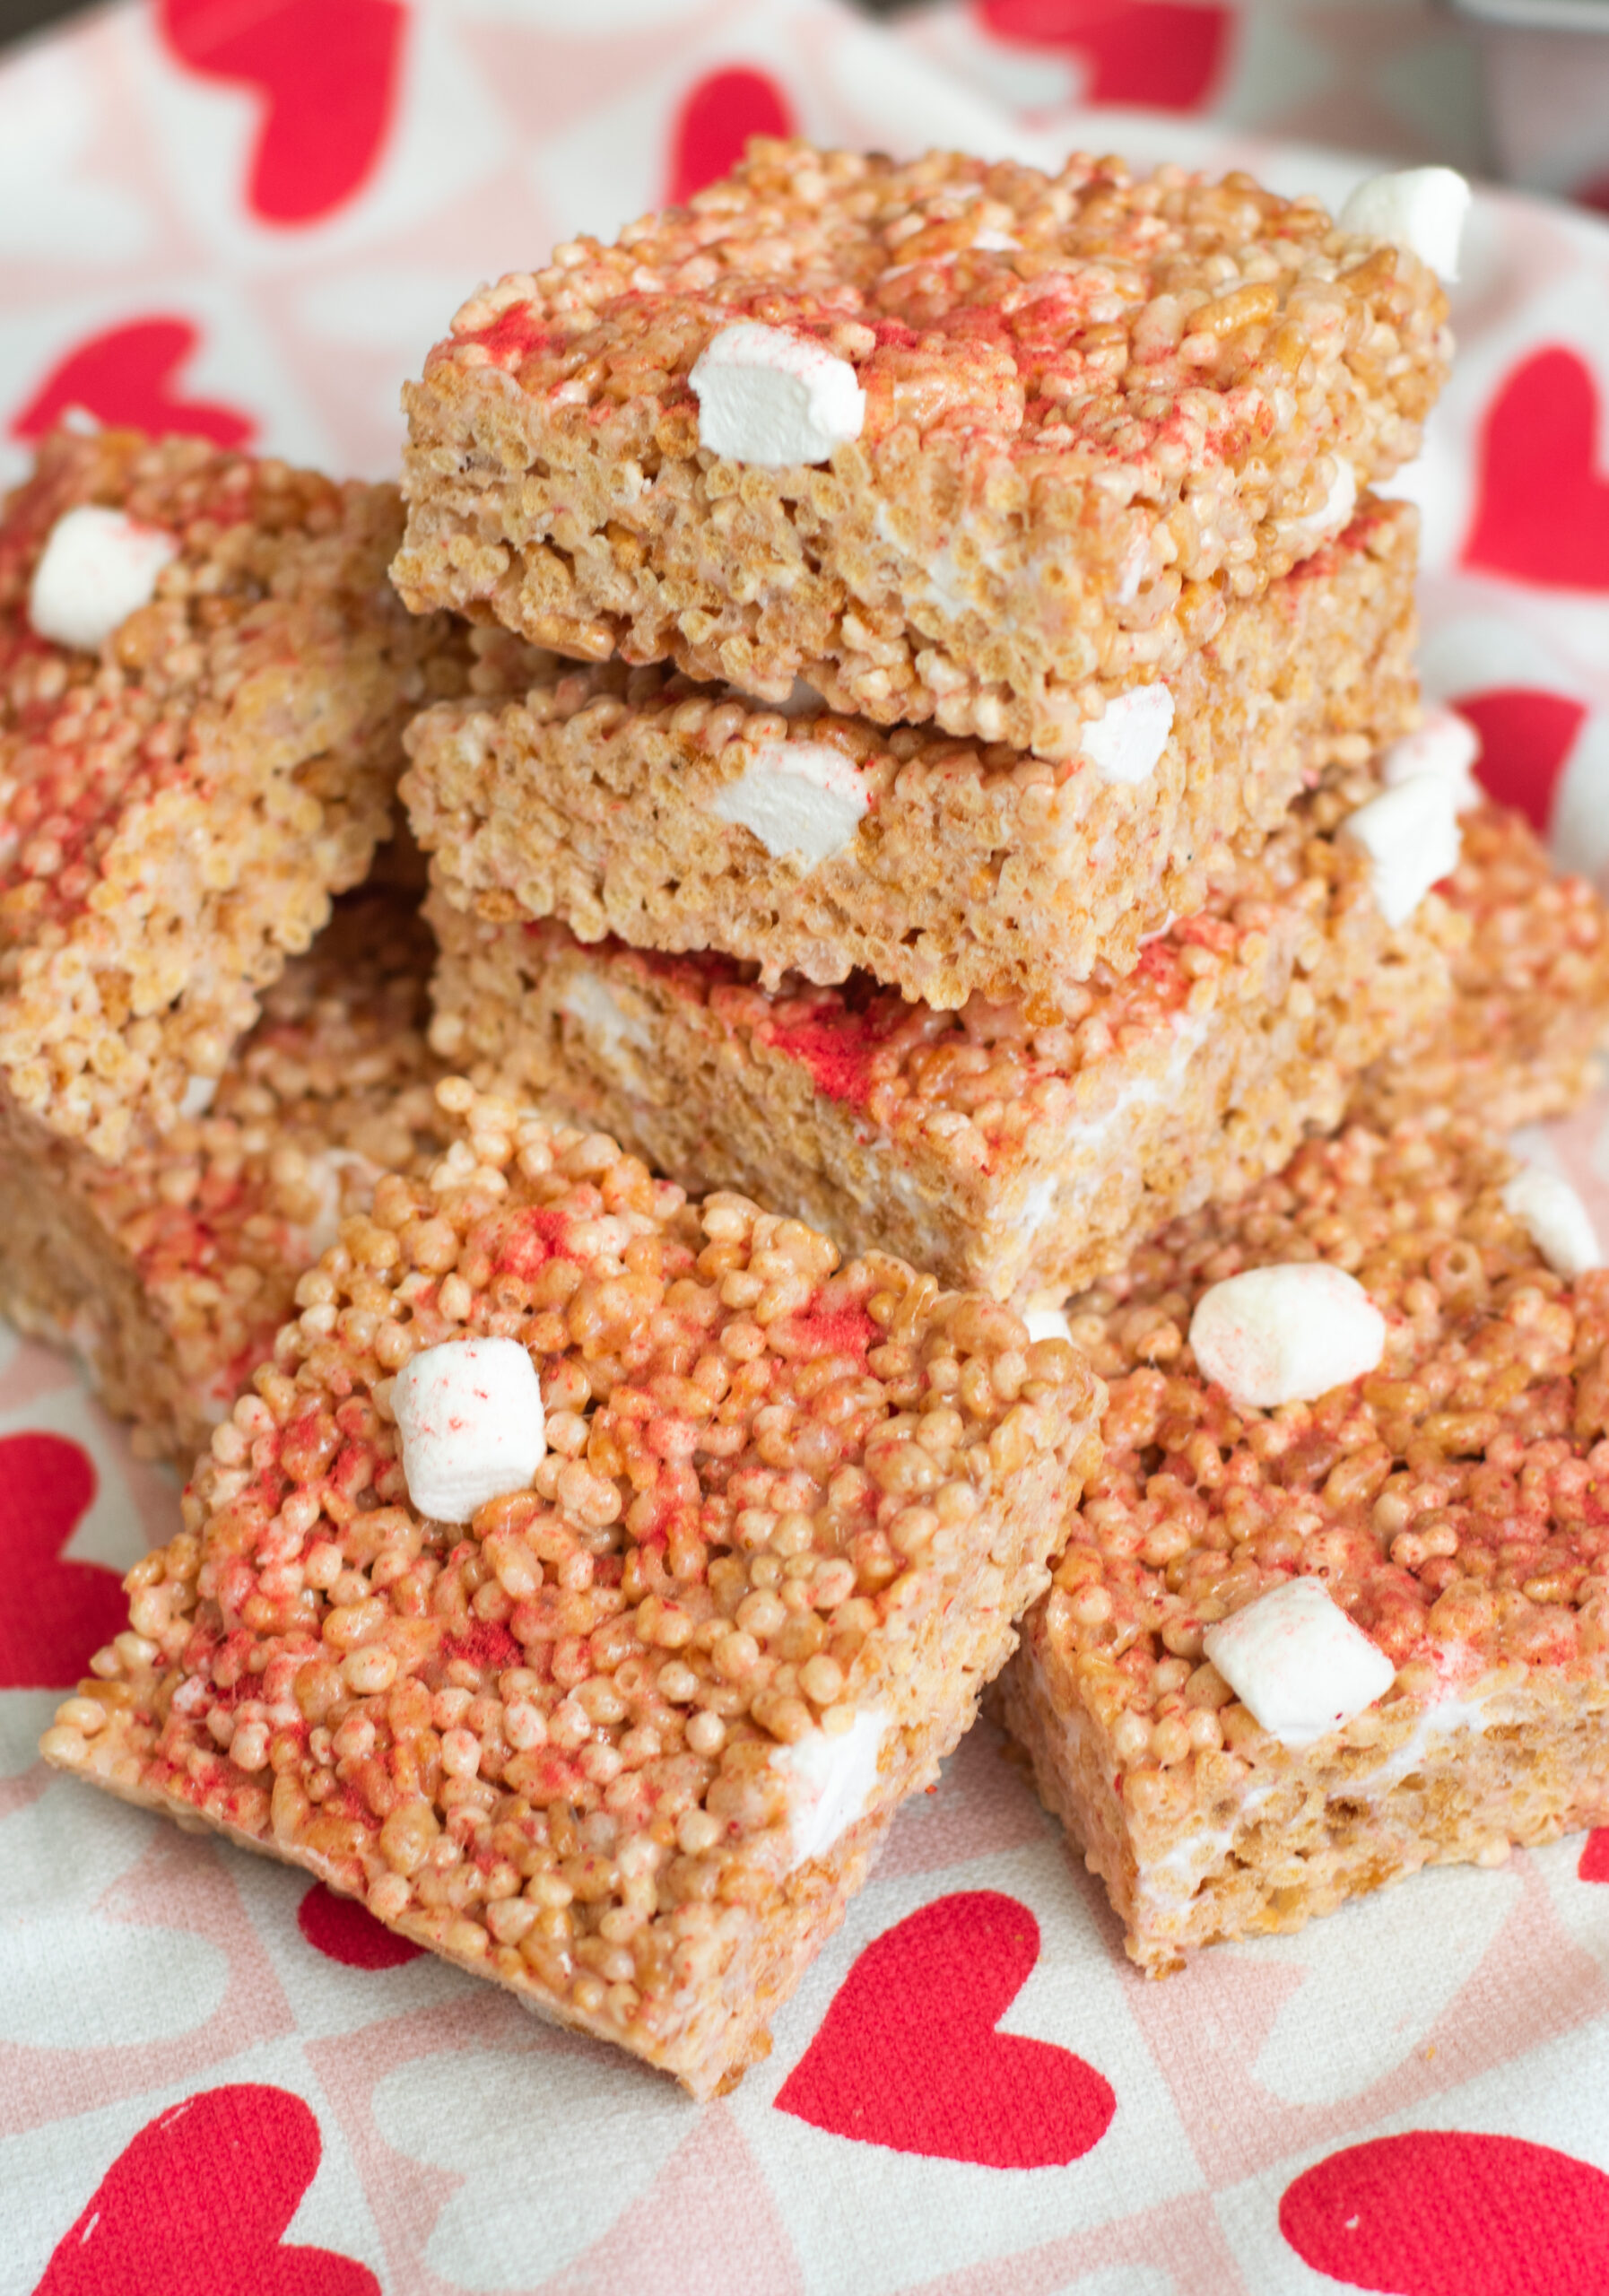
pixel 198 1095
pixel 769 396
pixel 830 1783
pixel 1555 1218
pixel 1411 837
pixel 1422 209
pixel 1446 745
pixel 469 1414
pixel 1129 736
pixel 1296 1660
pixel 1048 1323
pixel 1334 514
pixel 804 798
pixel 1286 1334
pixel 97 568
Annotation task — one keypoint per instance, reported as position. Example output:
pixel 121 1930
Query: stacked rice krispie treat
pixel 204 680
pixel 968 834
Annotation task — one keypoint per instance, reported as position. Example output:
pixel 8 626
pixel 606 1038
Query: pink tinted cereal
pixel 1099 407
pixel 1453 1503
pixel 1017 1152
pixel 594 796
pixel 787 1501
pixel 1526 1033
pixel 169 1272
pixel 178 807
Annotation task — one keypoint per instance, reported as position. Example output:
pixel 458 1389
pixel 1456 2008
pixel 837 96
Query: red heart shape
pixel 55 1615
pixel 344 1931
pixel 1441 2213
pixel 1139 51
pixel 124 375
pixel 1526 734
pixel 908 2056
pixel 718 116
pixel 327 72
pixel 1544 511
pixel 1594 1862
pixel 197 2204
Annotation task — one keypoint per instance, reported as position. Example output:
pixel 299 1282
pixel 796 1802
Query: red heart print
pixel 55 1615
pixel 197 2205
pixel 1161 52
pixel 1526 734
pixel 1594 1862
pixel 125 376
pixel 716 118
pixel 344 1931
pixel 907 2055
pixel 326 73
pixel 1543 510
pixel 1442 2213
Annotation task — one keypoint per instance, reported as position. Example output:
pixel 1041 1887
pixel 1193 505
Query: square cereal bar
pixel 1091 409
pixel 680 818
pixel 1397 1554
pixel 622 1724
pixel 204 680
pixel 1016 1154
pixel 1526 1033
pixel 169 1273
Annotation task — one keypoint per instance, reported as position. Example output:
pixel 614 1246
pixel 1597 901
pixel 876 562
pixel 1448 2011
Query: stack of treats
pixel 909 708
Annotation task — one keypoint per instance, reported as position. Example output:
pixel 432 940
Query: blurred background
pixel 1513 89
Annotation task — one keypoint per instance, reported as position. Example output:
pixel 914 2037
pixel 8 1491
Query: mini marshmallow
pixel 1286 1334
pixel 1297 1661
pixel 1127 740
pixel 1422 209
pixel 1446 745
pixel 97 568
pixel 1411 837
pixel 469 1414
pixel 804 798
pixel 1556 1220
pixel 1334 514
pixel 198 1095
pixel 1048 1323
pixel 830 1783
pixel 775 398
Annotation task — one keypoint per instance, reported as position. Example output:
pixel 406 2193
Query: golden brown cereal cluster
pixel 1098 408
pixel 1454 1502
pixel 170 1272
pixel 594 797
pixel 780 1496
pixel 1524 1036
pixel 176 810
pixel 1017 1154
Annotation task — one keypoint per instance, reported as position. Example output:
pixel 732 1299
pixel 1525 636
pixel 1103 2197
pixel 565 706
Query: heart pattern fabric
pixel 908 2054
pixel 58 1612
pixel 129 376
pixel 1447 2212
pixel 198 2204
pixel 1544 507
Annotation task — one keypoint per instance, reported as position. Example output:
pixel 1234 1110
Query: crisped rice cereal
pixel 1098 408
pixel 626 1742
pixel 1454 1502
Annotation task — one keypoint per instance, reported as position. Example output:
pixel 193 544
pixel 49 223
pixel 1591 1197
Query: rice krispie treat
pixel 204 680
pixel 1524 1035
pixel 589 1578
pixel 1336 1605
pixel 1014 1154
pixel 685 817
pixel 953 440
pixel 169 1273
